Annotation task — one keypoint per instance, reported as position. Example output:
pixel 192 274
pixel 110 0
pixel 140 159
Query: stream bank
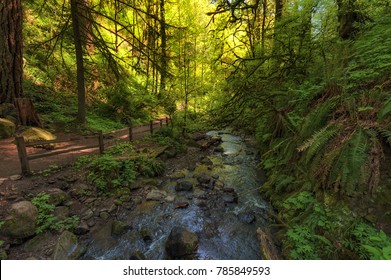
pixel 208 199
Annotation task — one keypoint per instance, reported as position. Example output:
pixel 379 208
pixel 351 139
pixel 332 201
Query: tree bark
pixel 11 46
pixel 81 92
pixel 347 17
pixel 164 64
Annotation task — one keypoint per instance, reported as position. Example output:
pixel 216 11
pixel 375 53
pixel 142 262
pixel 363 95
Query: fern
pixel 385 110
pixel 318 141
pixel 318 117
pixel 347 169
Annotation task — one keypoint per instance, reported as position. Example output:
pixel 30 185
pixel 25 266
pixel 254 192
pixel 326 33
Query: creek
pixel 224 214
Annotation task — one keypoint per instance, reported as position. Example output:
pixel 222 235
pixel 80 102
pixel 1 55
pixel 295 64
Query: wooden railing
pixel 25 158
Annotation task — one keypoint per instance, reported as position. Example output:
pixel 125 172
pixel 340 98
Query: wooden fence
pixel 24 157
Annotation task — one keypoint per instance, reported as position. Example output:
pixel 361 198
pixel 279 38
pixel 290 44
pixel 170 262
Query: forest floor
pixel 9 160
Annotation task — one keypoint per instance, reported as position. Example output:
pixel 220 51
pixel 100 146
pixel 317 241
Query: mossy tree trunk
pixel 11 57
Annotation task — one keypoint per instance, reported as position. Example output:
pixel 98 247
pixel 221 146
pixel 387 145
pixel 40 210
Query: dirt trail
pixel 9 161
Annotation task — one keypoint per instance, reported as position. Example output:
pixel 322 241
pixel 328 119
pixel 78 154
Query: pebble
pixel 2 180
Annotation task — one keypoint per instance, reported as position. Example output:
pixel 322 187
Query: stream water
pixel 226 229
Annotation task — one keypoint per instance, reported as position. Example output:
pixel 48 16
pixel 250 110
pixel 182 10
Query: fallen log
pixel 266 245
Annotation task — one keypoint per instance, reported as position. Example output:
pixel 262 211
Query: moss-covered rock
pixel 37 134
pixel 7 128
pixel 21 221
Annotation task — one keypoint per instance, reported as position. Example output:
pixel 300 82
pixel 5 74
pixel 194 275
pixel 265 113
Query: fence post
pixel 151 126
pixel 166 121
pixel 24 162
pixel 161 123
pixel 130 132
pixel 101 144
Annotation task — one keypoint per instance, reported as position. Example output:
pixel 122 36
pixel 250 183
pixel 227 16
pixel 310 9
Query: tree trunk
pixel 347 17
pixel 11 57
pixel 163 71
pixel 81 92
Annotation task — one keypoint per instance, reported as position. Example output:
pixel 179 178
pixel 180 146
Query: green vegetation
pixel 310 79
pixel 46 219
pixel 119 166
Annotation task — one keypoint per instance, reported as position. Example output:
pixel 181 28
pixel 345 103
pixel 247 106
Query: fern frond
pixel 386 134
pixel 385 110
pixel 318 141
pixel 317 117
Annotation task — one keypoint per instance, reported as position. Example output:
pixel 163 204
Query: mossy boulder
pixel 7 128
pixel 57 196
pixel 21 221
pixel 37 134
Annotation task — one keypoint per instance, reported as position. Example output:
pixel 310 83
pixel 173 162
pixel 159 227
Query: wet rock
pixel 181 243
pixel 118 228
pixel 57 196
pixel 186 184
pixel 82 228
pixel 146 234
pixel 136 255
pixel 247 218
pixel 180 205
pixel 102 236
pixel 204 178
pixel 170 198
pixel 229 198
pixel 67 247
pixel 21 221
pixel 156 195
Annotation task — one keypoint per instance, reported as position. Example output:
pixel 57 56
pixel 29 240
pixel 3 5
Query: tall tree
pixel 11 58
pixel 77 38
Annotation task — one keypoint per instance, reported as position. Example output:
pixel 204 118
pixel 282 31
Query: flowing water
pixel 226 229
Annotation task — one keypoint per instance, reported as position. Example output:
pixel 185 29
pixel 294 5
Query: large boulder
pixel 181 244
pixel 7 128
pixel 21 221
pixel 67 247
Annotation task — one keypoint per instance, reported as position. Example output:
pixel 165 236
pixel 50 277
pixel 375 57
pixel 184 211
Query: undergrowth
pixel 119 166
pixel 46 219
pixel 315 231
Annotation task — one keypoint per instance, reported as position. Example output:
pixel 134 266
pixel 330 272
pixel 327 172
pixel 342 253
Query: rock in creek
pixel 67 247
pixel 180 205
pixel 156 195
pixel 247 218
pixel 186 184
pixel 181 244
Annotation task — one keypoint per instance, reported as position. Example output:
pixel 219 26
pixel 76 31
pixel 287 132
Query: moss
pixel 37 134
